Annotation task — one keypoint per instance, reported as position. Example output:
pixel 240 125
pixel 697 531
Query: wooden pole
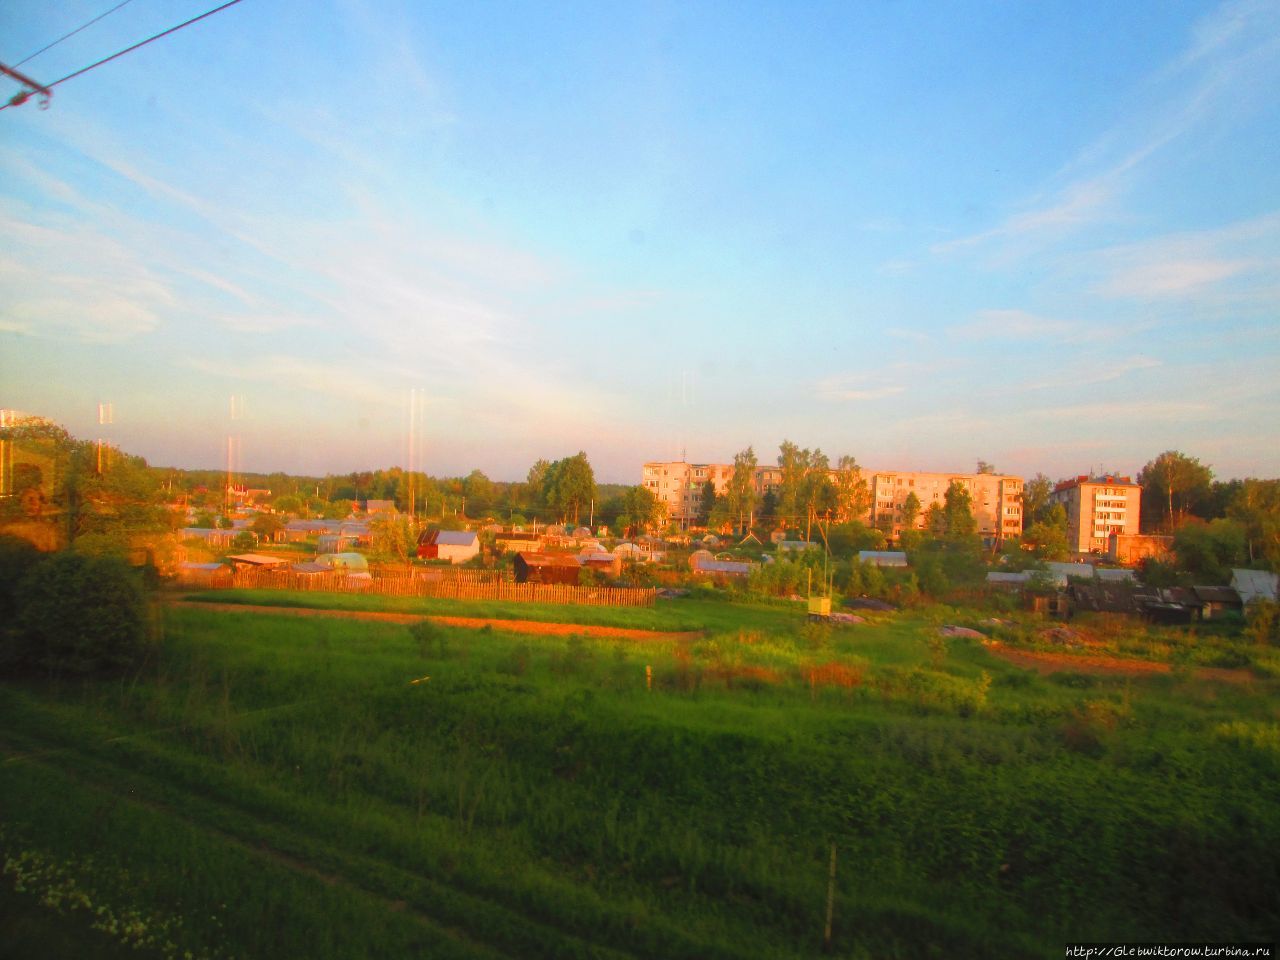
pixel 831 900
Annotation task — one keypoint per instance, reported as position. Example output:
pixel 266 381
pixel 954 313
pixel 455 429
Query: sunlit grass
pixel 547 795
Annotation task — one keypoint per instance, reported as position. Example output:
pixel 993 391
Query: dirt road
pixel 473 623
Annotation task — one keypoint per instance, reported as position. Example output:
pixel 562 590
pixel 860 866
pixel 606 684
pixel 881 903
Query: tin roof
pixel 883 558
pixel 1254 584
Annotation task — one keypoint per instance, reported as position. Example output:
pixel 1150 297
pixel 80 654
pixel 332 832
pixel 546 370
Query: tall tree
pixel 740 496
pixel 1172 484
pixel 910 511
pixel 571 485
pixel 986 468
pixel 794 464
pixel 1035 499
pixel 536 483
pixel 1256 508
pixel 817 495
pixel 958 510
pixel 706 502
pixel 480 493
pixel 1048 536
pixel 641 508
pixel 392 536
pixel 853 496
pixel 1208 551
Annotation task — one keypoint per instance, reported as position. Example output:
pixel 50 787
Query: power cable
pixel 143 43
pixel 72 33
pixel 45 90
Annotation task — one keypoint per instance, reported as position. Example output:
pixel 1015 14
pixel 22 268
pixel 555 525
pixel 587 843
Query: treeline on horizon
pixel 97 490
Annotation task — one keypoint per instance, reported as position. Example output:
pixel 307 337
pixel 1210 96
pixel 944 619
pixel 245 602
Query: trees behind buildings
pixel 1173 486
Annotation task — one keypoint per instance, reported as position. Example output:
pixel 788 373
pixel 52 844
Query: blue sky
pixel 1045 235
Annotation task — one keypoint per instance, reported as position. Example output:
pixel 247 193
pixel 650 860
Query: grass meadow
pixel 275 786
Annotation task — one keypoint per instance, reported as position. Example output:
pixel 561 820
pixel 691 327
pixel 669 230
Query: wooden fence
pixel 492 587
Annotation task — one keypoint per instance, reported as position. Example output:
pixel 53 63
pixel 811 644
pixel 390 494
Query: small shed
pixel 1218 602
pixel 517 541
pixel 257 561
pixel 456 546
pixel 724 568
pixel 189 572
pixel 883 558
pixel 546 568
pixel 353 563
pixel 602 561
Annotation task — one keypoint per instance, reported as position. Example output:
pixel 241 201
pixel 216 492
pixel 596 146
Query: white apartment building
pixel 1098 507
pixel 997 499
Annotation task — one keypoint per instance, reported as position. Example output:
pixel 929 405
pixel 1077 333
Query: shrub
pixel 1263 622
pixel 78 615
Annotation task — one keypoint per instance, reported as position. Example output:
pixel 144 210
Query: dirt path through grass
pixel 1046 662
pixel 471 623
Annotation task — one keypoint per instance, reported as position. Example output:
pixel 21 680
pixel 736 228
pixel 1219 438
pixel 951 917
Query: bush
pixel 78 615
pixel 17 557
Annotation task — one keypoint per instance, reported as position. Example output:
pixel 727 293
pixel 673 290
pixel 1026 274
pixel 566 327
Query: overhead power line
pixel 45 90
pixel 72 33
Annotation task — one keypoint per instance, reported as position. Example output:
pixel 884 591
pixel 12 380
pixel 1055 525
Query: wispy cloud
pixel 1189 263
pixel 1231 57
pixel 857 387
pixel 74 282
pixel 298 374
pixel 1012 325
pixel 1148 411
pixel 1089 371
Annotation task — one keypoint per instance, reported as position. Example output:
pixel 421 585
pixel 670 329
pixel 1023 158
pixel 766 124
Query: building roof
pixel 1114 575
pixel 1060 570
pixel 1254 584
pixel 1217 595
pixel 796 545
pixel 1109 480
pixel 350 561
pixel 311 567
pixel 257 559
pixel 207 567
pixel 549 559
pixel 1102 597
pixel 455 538
pixel 1002 576
pixel 883 558
pixel 732 567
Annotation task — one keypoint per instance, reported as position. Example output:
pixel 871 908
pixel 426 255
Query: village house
pixel 456 546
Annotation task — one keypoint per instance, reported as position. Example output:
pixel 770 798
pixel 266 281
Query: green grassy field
pixel 272 786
